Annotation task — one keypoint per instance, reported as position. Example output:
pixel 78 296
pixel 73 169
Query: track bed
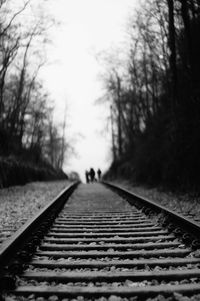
pixel 102 248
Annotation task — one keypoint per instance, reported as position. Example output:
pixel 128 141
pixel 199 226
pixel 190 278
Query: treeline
pixel 27 129
pixel 155 96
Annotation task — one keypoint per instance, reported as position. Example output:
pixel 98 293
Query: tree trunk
pixel 186 21
pixel 112 133
pixel 172 47
pixel 119 117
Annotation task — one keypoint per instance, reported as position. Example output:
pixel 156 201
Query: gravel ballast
pixel 182 203
pixel 20 203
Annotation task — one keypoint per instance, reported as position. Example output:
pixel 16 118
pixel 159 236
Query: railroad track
pixel 99 245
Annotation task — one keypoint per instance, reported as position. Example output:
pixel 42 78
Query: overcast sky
pixel 87 27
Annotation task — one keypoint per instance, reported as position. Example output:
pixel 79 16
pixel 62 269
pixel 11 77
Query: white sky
pixel 87 27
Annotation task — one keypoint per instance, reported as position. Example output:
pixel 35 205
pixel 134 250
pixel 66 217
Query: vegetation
pixel 27 130
pixel 155 96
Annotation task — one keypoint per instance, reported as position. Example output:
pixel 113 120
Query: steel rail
pixel 170 216
pixel 16 242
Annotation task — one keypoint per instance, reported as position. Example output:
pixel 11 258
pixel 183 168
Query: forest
pixel 155 97
pixel 29 137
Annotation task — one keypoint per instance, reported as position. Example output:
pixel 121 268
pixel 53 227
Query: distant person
pixel 92 175
pixel 87 176
pixel 99 174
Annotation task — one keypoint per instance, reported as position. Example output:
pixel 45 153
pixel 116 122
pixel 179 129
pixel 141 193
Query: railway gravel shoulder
pixel 187 204
pixel 18 204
